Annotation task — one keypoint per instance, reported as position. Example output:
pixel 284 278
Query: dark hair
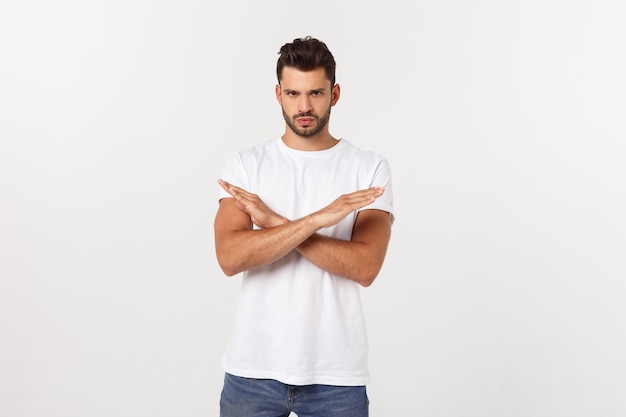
pixel 306 54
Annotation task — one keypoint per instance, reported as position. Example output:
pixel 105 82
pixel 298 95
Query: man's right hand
pixel 259 212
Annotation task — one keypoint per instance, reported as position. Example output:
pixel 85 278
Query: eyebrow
pixel 313 90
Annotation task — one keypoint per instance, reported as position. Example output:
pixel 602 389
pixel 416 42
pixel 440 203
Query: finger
pixel 370 193
pixel 233 190
pixel 362 198
pixel 226 186
pixel 375 190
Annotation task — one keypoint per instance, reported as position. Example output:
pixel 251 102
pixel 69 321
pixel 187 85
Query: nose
pixel 304 104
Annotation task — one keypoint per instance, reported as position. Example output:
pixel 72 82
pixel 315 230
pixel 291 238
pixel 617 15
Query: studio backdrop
pixel 503 289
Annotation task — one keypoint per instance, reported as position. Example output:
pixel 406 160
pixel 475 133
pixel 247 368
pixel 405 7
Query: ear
pixel 336 92
pixel 279 96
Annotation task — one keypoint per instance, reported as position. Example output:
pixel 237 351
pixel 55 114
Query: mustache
pixel 307 114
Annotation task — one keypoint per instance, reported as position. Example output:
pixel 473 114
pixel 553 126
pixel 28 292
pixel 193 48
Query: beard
pixel 315 128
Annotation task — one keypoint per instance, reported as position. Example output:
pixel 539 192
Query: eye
pixel 292 93
pixel 316 93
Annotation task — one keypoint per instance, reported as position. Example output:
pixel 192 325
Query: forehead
pixel 296 79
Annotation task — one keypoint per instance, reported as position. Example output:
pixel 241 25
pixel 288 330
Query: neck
pixel 318 142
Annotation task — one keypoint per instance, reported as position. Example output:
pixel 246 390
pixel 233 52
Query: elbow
pixel 229 272
pixel 229 268
pixel 367 276
pixel 366 281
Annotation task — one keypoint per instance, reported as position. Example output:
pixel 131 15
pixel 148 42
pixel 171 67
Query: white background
pixel 503 293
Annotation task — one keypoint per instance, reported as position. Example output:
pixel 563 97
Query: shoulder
pixel 366 157
pixel 254 152
pixel 267 149
pixel 349 147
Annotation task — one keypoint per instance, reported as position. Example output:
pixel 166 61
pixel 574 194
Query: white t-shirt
pixel 295 322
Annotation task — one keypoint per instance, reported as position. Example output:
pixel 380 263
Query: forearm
pixel 248 249
pixel 358 259
pixel 241 248
pixel 351 260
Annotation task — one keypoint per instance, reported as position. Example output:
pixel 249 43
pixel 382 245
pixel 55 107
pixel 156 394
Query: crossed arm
pixel 240 248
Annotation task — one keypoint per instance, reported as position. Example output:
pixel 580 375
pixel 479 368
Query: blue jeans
pixel 246 397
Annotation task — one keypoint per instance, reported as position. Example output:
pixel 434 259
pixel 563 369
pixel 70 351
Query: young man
pixel 307 219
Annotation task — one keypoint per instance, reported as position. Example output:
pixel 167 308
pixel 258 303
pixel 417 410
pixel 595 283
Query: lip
pixel 305 120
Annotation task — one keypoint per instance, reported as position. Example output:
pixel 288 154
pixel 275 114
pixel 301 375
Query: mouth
pixel 305 121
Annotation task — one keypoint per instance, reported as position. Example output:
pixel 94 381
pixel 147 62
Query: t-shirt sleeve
pixel 382 178
pixel 234 173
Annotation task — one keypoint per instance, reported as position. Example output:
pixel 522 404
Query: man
pixel 307 218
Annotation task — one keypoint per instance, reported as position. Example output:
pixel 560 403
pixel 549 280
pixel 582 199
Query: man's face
pixel 306 99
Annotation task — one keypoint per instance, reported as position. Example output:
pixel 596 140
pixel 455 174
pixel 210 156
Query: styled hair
pixel 306 54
